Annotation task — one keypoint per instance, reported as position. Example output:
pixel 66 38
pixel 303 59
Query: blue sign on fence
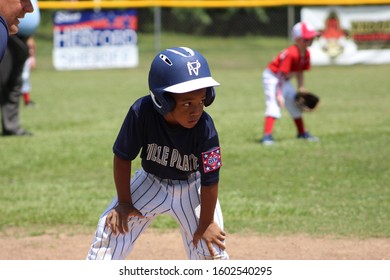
pixel 93 40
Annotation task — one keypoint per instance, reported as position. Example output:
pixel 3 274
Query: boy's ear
pixel 163 102
pixel 210 96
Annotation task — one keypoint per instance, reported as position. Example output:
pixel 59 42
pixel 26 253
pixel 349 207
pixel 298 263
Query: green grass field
pixel 62 176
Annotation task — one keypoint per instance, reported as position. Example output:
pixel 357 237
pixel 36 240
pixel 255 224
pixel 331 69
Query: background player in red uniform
pixel 278 87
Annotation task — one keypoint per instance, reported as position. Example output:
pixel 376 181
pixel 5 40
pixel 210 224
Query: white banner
pixel 199 270
pixel 350 35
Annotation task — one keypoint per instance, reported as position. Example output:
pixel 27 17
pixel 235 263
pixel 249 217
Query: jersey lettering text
pixel 161 155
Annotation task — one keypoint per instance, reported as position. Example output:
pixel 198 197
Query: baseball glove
pixel 306 101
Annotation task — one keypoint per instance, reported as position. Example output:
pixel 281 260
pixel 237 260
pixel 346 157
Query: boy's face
pixel 188 109
pixel 304 43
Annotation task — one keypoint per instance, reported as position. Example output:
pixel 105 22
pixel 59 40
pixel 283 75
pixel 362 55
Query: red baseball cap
pixel 304 30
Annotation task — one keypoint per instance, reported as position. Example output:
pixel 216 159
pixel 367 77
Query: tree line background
pixel 270 21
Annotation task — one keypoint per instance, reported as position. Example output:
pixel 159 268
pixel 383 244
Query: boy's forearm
pixel 122 174
pixel 300 79
pixel 208 196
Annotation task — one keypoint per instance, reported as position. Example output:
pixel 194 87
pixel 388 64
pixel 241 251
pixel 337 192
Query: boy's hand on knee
pixel 212 234
pixel 118 217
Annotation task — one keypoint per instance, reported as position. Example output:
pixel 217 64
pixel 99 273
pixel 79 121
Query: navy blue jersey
pixel 169 152
pixel 3 37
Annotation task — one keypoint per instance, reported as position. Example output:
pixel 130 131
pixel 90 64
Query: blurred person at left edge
pixel 10 12
pixel 13 56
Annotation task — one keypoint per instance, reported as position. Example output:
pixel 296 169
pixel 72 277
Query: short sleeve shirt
pixel 3 37
pixel 169 152
pixel 289 60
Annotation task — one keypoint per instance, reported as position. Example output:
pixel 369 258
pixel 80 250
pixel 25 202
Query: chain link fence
pixel 272 21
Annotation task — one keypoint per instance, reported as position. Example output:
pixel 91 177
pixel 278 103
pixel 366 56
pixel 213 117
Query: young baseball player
pixel 278 87
pixel 27 28
pixel 29 65
pixel 181 159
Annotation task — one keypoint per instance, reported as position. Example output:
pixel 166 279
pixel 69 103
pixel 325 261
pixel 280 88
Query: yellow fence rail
pixel 92 4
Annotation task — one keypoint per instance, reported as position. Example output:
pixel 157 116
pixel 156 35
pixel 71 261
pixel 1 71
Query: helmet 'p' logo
pixel 193 67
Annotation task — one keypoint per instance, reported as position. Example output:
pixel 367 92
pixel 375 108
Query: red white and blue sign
pixel 212 160
pixel 92 40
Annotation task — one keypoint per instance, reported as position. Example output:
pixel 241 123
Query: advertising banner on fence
pixel 350 35
pixel 95 40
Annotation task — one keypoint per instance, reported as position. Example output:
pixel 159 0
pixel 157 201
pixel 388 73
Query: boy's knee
pixel 221 255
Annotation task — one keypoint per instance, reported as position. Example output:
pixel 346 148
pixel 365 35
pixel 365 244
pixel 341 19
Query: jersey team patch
pixel 212 160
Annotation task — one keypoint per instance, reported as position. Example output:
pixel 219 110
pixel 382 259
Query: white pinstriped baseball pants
pixel 153 196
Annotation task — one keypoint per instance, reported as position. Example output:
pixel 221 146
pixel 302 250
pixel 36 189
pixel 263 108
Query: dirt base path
pixel 154 245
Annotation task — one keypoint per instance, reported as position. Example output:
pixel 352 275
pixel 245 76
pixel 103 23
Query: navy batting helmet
pixel 179 70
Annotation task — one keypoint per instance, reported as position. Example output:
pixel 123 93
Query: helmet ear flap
pixel 163 102
pixel 210 96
